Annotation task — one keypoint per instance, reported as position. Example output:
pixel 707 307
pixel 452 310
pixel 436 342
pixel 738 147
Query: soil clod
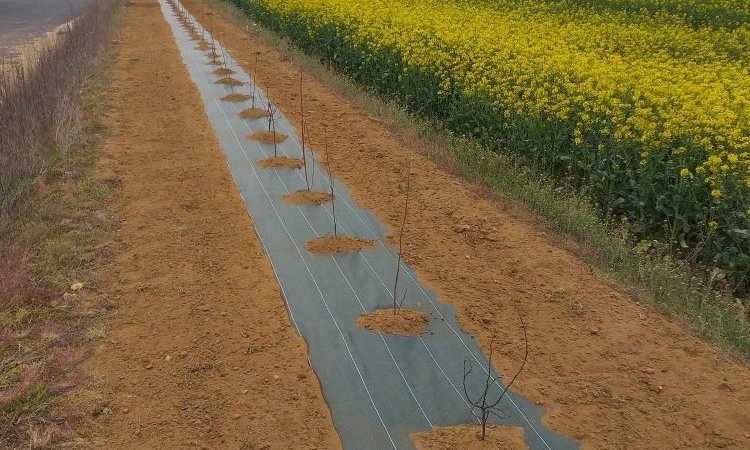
pixel 303 197
pixel 230 81
pixel 223 71
pixel 269 137
pixel 254 113
pixel 330 245
pixel 235 98
pixel 280 162
pixel 404 322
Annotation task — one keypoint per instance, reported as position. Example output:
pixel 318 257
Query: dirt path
pixel 613 373
pixel 201 353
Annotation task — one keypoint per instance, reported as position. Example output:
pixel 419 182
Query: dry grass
pixel 53 228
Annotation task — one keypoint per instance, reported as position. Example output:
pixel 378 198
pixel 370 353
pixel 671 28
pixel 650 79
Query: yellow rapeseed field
pixel 645 103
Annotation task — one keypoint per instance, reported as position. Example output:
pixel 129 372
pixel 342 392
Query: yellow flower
pixel 685 173
pixel 712 225
pixel 716 193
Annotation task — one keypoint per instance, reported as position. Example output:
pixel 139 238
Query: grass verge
pixel 55 229
pixel 686 293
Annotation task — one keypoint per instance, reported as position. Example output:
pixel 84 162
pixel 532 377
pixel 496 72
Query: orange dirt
pixel 269 137
pixel 202 47
pixel 223 71
pixel 280 162
pixel 302 197
pixel 465 437
pixel 229 81
pixel 614 374
pixel 200 352
pixel 405 322
pixel 330 245
pixel 235 98
pixel 253 113
pixel 216 62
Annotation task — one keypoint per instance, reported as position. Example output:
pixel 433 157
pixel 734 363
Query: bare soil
pixel 613 374
pixel 465 437
pixel 330 245
pixel 404 322
pixel 235 97
pixel 223 71
pixel 253 113
pixel 229 81
pixel 269 137
pixel 303 197
pixel 200 352
pixel 280 162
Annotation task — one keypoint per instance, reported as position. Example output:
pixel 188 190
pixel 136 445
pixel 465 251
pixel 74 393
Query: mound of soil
pixel 216 62
pixel 303 197
pixel 405 322
pixel 467 437
pixel 229 81
pixel 280 162
pixel 330 245
pixel 202 46
pixel 223 71
pixel 213 55
pixel 269 137
pixel 253 113
pixel 235 98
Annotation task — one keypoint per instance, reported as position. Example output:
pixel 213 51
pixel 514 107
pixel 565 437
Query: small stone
pixel 149 366
pixel 725 386
pixel 126 410
pixel 236 416
pixel 594 330
pixel 245 391
pixel 168 358
pixel 77 286
pixel 183 354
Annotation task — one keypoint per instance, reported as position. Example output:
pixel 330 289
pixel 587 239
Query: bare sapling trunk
pixel 483 404
pixel 255 77
pixel 272 127
pixel 330 180
pixel 396 305
pixel 302 114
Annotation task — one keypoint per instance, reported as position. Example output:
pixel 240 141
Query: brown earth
pixel 405 322
pixel 253 113
pixel 268 137
pixel 613 373
pixel 235 97
pixel 465 437
pixel 302 197
pixel 280 162
pixel 200 352
pixel 229 81
pixel 223 71
pixel 330 245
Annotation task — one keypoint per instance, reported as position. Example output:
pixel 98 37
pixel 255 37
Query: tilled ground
pixel 613 373
pixel 201 353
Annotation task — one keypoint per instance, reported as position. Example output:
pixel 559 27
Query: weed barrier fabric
pixel 379 388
